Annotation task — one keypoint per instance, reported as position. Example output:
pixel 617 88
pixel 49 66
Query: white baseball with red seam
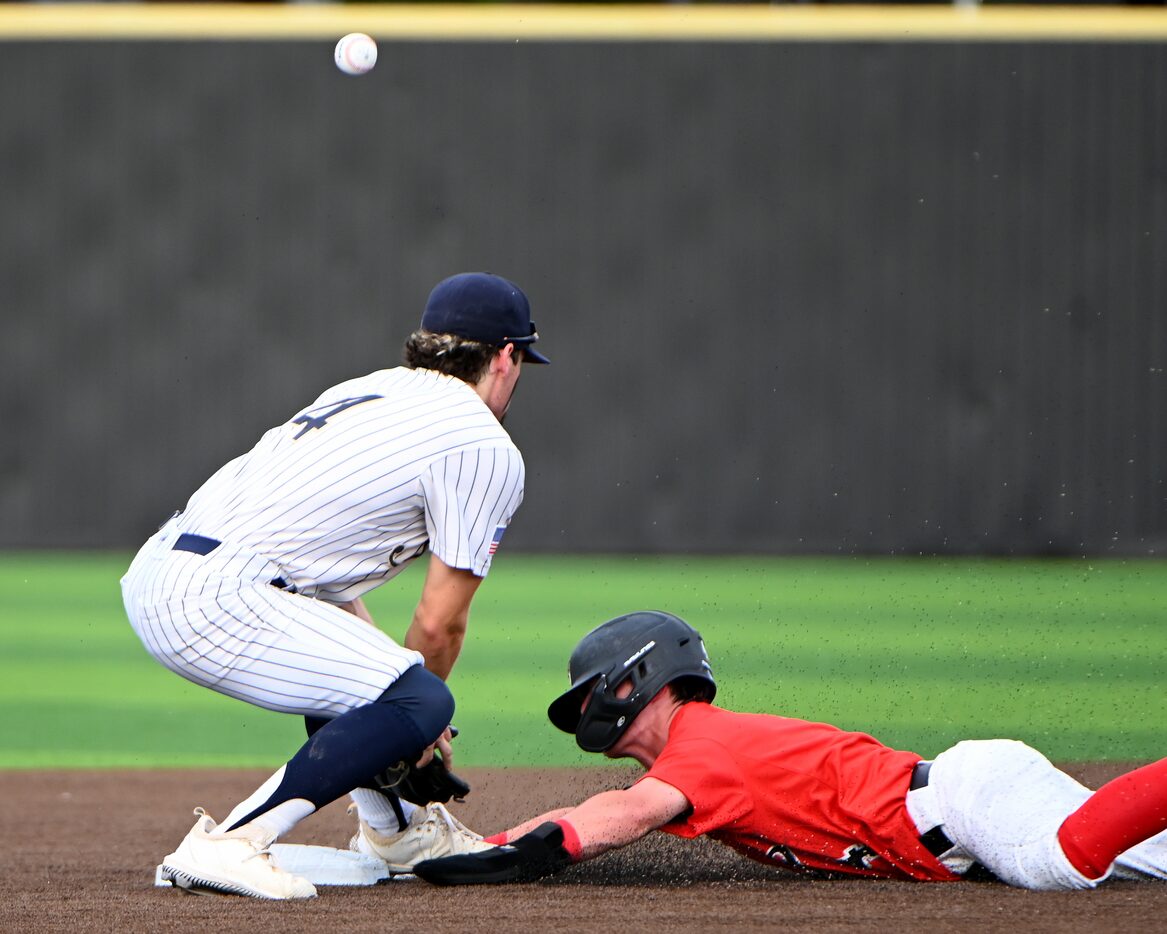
pixel 356 54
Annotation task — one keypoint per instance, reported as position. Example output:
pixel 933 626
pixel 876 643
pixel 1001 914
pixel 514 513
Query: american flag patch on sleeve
pixel 496 539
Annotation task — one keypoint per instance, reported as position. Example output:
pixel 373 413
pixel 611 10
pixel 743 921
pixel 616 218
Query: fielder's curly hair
pixel 449 354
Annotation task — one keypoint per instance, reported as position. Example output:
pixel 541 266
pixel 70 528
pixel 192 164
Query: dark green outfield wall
pixel 822 297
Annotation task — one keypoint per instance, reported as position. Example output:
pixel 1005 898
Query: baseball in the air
pixel 356 54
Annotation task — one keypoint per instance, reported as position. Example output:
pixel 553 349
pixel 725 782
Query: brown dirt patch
pixel 78 851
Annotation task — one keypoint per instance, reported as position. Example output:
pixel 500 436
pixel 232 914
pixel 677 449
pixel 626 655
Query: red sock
pixel 497 839
pixel 1123 812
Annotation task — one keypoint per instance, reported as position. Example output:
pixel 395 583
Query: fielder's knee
pixel 424 698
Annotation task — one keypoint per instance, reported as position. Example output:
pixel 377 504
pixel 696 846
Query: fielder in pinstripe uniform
pixel 254 588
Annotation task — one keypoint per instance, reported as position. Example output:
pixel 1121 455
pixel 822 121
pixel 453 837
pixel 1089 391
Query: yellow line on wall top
pixel 538 22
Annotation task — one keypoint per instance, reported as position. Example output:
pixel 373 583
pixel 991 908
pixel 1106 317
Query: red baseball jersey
pixel 794 793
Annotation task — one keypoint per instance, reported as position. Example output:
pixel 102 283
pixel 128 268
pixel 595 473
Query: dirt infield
pixel 78 851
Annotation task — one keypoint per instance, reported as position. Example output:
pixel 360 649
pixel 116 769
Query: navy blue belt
pixel 201 545
pixel 196 544
pixel 935 840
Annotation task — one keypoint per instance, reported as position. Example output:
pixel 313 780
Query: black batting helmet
pixel 648 648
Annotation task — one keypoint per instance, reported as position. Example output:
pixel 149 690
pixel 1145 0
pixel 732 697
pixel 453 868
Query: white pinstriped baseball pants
pixel 217 621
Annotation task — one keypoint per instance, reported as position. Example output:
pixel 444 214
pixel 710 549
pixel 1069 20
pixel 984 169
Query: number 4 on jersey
pixel 310 421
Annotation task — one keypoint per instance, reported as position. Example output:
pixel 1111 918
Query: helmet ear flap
pixel 593 694
pixel 607 714
pixel 602 719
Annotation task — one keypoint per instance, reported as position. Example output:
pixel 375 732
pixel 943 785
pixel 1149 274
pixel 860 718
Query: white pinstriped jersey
pixel 371 475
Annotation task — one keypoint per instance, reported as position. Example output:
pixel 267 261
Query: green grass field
pixel 1067 655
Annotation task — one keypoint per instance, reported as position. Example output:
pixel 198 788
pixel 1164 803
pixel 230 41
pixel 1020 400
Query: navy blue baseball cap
pixel 483 307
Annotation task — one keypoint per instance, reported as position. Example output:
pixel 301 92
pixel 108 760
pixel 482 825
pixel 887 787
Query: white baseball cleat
pixel 234 863
pixel 432 832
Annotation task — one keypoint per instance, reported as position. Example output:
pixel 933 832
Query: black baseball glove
pixel 530 858
pixel 423 784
